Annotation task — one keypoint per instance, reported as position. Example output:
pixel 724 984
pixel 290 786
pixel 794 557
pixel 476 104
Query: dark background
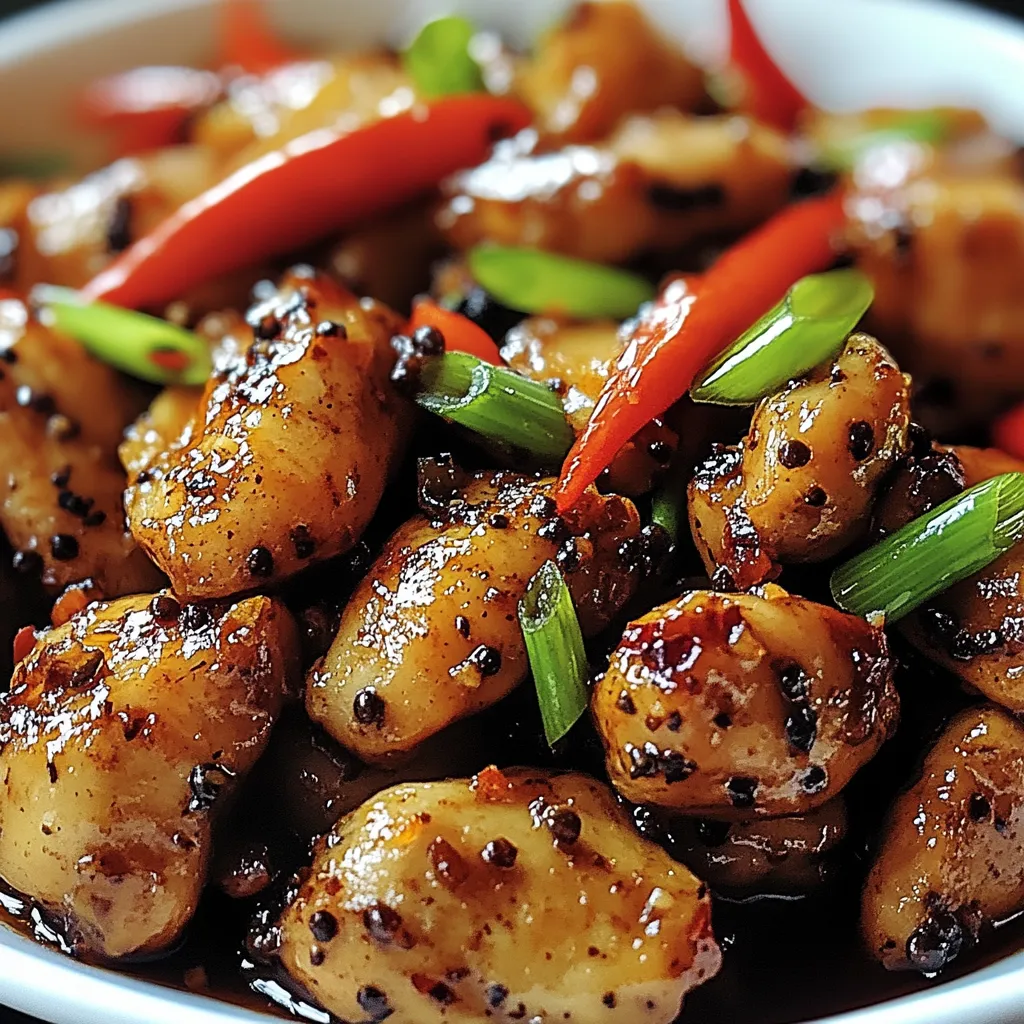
pixel 1013 7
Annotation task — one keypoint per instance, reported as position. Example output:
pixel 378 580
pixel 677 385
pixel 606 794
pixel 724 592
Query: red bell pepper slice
pixel 315 185
pixel 24 641
pixel 691 323
pixel 249 42
pixel 460 333
pixel 1008 432
pixel 148 107
pixel 768 94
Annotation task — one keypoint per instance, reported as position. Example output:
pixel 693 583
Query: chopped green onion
pixel 34 166
pixel 805 329
pixel 534 281
pixel 554 644
pixel 925 126
pixel 142 346
pixel 668 506
pixel 439 61
pixel 933 551
pixel 497 404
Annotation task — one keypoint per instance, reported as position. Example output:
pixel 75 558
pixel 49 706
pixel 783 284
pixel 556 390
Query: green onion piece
pixel 805 329
pixel 541 282
pixel 497 404
pixel 924 126
pixel 668 506
pixel 142 346
pixel 34 166
pixel 933 551
pixel 439 61
pixel 554 645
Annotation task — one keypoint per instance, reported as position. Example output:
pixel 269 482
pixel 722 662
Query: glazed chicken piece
pixel 513 895
pixel 61 413
pixel 657 183
pixel 736 706
pixel 951 858
pixel 124 732
pixel 605 60
pixel 975 629
pixel 289 451
pixel 159 428
pixel 767 856
pixel 800 486
pixel 432 635
pixel 578 358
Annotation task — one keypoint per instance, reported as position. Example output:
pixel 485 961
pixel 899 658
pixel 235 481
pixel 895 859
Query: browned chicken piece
pixel 432 635
pixel 975 629
pixel 123 733
pixel 513 895
pixel 605 60
pixel 766 856
pixel 578 358
pixel 159 428
pixel 800 486
pixel 657 182
pixel 70 232
pixel 951 858
pixel 736 706
pixel 61 413
pixel 941 235
pixel 289 451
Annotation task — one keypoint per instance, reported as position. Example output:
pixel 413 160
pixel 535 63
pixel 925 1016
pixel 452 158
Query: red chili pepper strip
pixel 24 641
pixel 460 333
pixel 1008 432
pixel 249 42
pixel 314 186
pixel 769 95
pixel 690 323
pixel 150 106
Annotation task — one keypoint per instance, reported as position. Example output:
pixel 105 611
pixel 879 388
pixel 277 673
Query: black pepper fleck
pixel 487 660
pixel 815 497
pixel 369 707
pixel 260 562
pixel 625 703
pixel 63 547
pixel 741 790
pixel 814 780
pixel 500 852
pixel 164 608
pixel 794 454
pixel 496 994
pixel 860 440
pixel 565 824
pixel 323 925
pixel 27 562
pixel 373 1002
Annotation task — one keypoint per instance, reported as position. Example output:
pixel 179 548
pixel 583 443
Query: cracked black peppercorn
pixel 814 780
pixel 373 1002
pixel 979 808
pixel 260 562
pixel 164 608
pixel 27 562
pixel 496 994
pixel 815 497
pixel 860 440
pixel 501 853
pixel 741 790
pixel 369 707
pixel 935 942
pixel 487 659
pixel 794 454
pixel 323 925
pixel 565 824
pixel 802 728
pixel 63 547
pixel 381 922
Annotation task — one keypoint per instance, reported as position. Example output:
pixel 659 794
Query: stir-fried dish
pixel 472 517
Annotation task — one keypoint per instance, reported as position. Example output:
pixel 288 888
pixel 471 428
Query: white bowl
pixel 844 53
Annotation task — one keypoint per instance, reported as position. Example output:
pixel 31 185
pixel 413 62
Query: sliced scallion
pixel 497 404
pixel 668 506
pixel 143 346
pixel 805 329
pixel 439 60
pixel 934 551
pixel 554 644
pixel 924 126
pixel 542 282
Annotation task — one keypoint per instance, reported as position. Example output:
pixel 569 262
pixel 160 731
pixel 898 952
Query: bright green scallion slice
pixel 934 551
pixel 554 644
pixel 804 330
pixel 439 60
pixel 924 126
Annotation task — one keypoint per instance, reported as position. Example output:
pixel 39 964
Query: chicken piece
pixel 767 856
pixel 515 895
pixel 289 451
pixel 123 733
pixel 743 705
pixel 975 629
pixel 159 428
pixel 940 236
pixel 657 183
pixel 431 635
pixel 605 60
pixel 800 486
pixel 578 359
pixel 951 858
pixel 69 234
pixel 60 485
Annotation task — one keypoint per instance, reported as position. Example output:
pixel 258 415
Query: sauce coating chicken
pixel 743 705
pixel 61 413
pixel 513 895
pixel 800 486
pixel 951 858
pixel 432 634
pixel 657 183
pixel 123 732
pixel 975 629
pixel 288 454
